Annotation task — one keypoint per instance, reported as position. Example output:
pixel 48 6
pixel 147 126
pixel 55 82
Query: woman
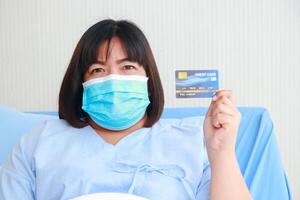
pixel 110 137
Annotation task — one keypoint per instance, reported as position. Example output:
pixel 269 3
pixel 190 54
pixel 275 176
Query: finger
pixel 224 105
pixel 223 108
pixel 225 100
pixel 227 93
pixel 210 108
pixel 223 93
pixel 216 123
pixel 221 119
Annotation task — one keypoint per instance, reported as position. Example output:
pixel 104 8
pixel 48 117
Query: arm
pixel 17 177
pixel 226 179
pixel 220 130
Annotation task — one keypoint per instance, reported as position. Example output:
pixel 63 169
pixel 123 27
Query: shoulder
pixel 54 140
pixel 49 133
pixel 57 128
pixel 45 129
pixel 59 132
pixel 31 141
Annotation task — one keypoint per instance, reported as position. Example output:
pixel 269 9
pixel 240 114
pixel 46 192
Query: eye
pixel 97 70
pixel 129 67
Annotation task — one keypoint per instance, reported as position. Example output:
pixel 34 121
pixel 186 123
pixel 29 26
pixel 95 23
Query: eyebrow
pixel 118 61
pixel 123 59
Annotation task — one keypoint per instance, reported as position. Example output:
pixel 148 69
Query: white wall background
pixel 254 43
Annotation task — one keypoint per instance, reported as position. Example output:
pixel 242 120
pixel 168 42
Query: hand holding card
pixel 221 124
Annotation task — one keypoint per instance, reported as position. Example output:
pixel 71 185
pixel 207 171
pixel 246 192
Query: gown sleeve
pixel 203 190
pixel 17 174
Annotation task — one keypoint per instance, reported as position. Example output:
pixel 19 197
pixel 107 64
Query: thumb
pixel 209 111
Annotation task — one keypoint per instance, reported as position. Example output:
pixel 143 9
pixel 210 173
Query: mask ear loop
pixel 83 116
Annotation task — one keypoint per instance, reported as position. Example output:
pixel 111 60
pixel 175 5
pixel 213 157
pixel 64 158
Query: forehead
pixel 111 49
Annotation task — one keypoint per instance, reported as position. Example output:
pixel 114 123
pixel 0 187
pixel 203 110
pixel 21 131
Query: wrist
pixel 221 157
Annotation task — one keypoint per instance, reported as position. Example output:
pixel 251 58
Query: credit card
pixel 196 83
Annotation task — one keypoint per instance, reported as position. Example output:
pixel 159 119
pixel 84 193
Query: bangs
pixel 90 51
pixel 133 45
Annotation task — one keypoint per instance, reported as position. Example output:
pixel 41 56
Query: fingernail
pixel 214 98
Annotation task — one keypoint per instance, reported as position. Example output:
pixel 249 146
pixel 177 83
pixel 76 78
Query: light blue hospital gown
pixel 57 161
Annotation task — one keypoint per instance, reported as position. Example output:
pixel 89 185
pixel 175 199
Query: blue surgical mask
pixel 116 102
